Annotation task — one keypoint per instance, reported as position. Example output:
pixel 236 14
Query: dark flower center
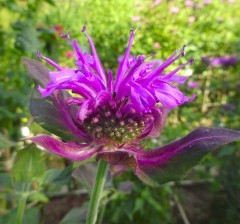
pixel 110 125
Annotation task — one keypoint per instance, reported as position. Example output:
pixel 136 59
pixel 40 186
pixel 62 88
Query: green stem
pixel 96 192
pixel 22 202
pixel 21 208
pixel 102 212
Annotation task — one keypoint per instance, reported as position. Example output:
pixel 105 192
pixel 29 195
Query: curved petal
pixel 84 109
pixel 160 116
pixel 59 77
pixel 170 96
pixel 179 79
pixel 173 161
pixel 97 63
pixel 102 98
pixel 123 63
pixel 69 150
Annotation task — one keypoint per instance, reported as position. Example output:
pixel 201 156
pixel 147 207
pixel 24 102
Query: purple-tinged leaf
pixel 86 174
pixel 126 187
pixel 52 113
pixel 37 70
pixel 70 150
pixel 173 161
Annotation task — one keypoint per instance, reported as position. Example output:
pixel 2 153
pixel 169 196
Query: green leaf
pixel 49 176
pixel 28 165
pixel 32 216
pixel 39 197
pixel 9 218
pixel 64 177
pixel 4 142
pixel 56 176
pixel 75 216
pixel 24 41
pixel 5 180
pixel 50 2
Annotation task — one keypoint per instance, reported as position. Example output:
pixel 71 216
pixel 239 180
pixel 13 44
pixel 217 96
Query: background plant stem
pixel 21 208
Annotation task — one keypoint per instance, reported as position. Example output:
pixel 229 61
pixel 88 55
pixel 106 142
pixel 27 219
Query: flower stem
pixel 21 209
pixel 96 192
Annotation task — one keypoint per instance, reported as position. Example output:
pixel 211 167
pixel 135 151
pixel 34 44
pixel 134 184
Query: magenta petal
pixel 97 64
pixel 174 78
pixel 173 161
pixel 123 63
pixel 160 116
pixel 69 150
pixel 84 109
pixel 102 98
pixel 59 77
pixel 170 96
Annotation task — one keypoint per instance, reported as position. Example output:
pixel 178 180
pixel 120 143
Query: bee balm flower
pixel 106 116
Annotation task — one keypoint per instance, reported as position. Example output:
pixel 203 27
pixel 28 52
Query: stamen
pixel 122 123
pixel 130 120
pixel 83 29
pixel 112 120
pixel 107 114
pixel 191 61
pixel 118 114
pixel 132 111
pixel 118 134
pixel 49 61
pixel 66 36
pixel 122 130
pixel 135 124
pixel 95 120
pixel 111 134
pixel 98 129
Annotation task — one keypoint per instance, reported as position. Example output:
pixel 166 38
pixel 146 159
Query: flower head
pixel 107 115
pixel 224 61
pixel 228 60
pixel 193 84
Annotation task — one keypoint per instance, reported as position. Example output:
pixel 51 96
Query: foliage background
pixel 40 188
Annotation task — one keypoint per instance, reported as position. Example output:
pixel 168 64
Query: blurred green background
pixel 40 188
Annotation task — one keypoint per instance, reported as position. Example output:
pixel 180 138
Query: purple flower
pixel 174 10
pixel 189 3
pixel 97 114
pixel 224 61
pixel 206 60
pixel 193 85
pixel 136 18
pixel 156 3
pixel 207 2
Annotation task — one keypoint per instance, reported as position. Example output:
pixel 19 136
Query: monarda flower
pixel 225 61
pixel 106 116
